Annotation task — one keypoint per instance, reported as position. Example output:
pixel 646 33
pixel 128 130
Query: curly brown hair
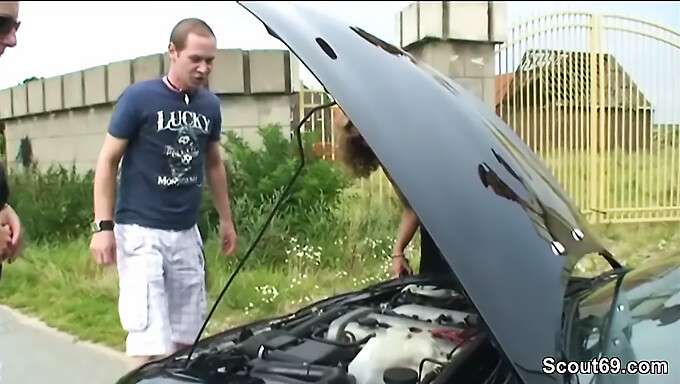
pixel 352 149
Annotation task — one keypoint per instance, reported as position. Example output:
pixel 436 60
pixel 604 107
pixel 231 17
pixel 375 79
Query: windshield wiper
pixel 265 225
pixel 585 283
pixel 610 259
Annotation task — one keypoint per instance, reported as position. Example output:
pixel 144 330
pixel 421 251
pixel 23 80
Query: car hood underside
pixel 508 230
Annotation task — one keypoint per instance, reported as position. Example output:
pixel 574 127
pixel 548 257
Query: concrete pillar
pixel 457 39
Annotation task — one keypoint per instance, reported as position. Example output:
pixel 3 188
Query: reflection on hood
pixel 530 204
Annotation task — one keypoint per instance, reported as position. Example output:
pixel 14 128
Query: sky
pixel 62 37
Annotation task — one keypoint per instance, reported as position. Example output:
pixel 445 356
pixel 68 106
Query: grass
pixel 628 187
pixel 636 243
pixel 61 284
pixel 64 287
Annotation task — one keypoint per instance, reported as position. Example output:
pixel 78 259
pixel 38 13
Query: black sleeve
pixel 4 187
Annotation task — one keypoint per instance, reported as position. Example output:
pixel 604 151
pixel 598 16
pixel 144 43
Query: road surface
pixel 32 353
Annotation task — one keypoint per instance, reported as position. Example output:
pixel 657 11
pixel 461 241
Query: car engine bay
pixel 415 334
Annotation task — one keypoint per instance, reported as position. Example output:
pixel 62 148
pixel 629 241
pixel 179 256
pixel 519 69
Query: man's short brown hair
pixel 181 31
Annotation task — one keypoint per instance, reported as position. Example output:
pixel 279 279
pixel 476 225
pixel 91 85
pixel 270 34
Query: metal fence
pixel 598 98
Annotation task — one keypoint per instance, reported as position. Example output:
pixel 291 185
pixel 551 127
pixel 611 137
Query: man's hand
pixel 11 219
pixel 103 247
pixel 5 242
pixel 229 238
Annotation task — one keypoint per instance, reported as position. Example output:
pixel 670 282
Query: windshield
pixel 628 323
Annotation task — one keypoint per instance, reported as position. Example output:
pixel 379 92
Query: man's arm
pixel 105 177
pixel 123 126
pixel 4 187
pixel 217 180
pixel 10 218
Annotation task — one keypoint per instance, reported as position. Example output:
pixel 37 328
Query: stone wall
pixel 66 116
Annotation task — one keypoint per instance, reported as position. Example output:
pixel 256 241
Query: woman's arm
pixel 409 224
pixel 407 229
pixel 409 221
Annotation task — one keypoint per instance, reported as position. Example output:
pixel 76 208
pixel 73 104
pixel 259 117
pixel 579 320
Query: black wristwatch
pixel 102 225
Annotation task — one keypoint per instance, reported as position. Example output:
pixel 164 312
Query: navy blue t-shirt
pixel 163 168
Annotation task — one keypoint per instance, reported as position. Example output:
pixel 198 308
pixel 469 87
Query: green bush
pixel 257 174
pixel 258 177
pixel 55 205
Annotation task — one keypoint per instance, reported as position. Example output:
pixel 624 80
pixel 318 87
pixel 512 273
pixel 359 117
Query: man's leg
pixel 185 278
pixel 143 304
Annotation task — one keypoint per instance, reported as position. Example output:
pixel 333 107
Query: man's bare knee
pixel 138 361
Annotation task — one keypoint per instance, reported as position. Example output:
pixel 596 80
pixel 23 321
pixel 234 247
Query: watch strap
pixel 102 225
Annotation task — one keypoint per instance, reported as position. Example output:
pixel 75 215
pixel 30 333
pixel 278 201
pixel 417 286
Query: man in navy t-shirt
pixel 167 132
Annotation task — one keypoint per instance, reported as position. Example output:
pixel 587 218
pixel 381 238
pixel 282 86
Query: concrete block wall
pixel 66 116
pixel 457 39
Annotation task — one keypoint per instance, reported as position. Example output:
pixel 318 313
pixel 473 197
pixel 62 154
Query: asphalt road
pixel 31 353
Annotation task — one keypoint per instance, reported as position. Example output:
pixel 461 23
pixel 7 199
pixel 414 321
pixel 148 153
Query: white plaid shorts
pixel 162 298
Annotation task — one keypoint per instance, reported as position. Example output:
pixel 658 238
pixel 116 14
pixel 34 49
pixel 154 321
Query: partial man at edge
pixel 11 232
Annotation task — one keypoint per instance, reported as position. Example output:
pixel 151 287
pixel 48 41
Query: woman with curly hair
pixel 355 153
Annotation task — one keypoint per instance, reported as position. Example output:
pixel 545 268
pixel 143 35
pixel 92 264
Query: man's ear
pixel 172 50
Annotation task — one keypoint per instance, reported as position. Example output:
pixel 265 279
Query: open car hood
pixel 506 227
